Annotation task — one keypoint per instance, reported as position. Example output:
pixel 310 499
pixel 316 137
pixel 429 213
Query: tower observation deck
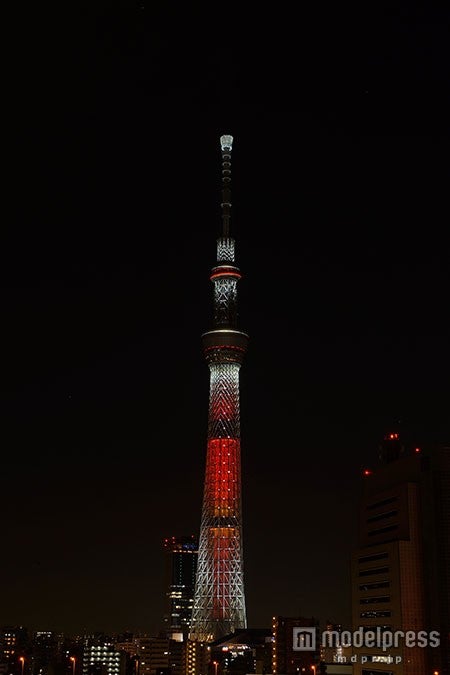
pixel 219 600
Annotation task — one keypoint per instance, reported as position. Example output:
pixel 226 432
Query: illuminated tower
pixel 219 601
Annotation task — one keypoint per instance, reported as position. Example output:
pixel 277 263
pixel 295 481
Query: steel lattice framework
pixel 219 600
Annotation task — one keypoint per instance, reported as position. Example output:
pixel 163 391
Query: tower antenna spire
pixel 226 144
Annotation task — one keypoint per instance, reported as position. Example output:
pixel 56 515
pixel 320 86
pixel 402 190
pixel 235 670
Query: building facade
pixel 14 650
pixel 100 657
pixel 287 659
pixel 160 655
pixel 181 568
pixel 400 572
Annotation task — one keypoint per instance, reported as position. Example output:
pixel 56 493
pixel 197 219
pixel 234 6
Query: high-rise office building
pixel 219 601
pixel 401 570
pixel 181 567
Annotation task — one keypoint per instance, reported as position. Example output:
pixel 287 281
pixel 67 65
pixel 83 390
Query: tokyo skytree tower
pixel 219 600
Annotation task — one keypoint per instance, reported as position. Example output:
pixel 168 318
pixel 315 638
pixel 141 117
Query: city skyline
pixel 341 209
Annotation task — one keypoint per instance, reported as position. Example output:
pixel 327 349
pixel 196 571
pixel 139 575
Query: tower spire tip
pixel 226 142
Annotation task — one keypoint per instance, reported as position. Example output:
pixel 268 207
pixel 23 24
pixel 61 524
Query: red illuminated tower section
pixel 219 601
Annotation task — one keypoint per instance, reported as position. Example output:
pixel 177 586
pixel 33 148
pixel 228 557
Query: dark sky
pixel 111 210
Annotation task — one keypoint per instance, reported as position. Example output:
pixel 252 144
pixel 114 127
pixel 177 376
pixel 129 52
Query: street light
pixel 22 661
pixel 313 668
pixel 215 664
pixel 73 659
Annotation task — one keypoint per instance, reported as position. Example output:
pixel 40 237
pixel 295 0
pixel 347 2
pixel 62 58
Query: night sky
pixel 111 210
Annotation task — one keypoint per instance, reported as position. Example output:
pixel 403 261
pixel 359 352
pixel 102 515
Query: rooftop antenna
pixel 226 144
